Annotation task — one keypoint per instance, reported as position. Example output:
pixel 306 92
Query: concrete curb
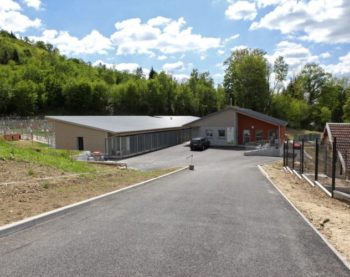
pixel 323 189
pixel 335 251
pixel 308 180
pixel 297 174
pixel 31 221
pixel 341 196
pixel 289 170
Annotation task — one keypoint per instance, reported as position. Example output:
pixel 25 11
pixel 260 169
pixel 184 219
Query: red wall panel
pixel 253 124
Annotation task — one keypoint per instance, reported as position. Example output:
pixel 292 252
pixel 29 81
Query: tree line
pixel 35 79
pixel 311 98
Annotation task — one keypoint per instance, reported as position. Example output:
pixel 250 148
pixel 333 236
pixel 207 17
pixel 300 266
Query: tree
pixel 167 90
pixel 280 69
pixel 246 79
pixel 78 95
pixel 346 110
pixel 24 98
pixel 313 78
pixel 152 74
pixel 139 72
pixel 295 111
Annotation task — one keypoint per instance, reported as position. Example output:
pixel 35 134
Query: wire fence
pixel 118 147
pixel 320 162
pixel 28 128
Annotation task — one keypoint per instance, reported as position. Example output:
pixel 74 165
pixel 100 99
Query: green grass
pixel 291 133
pixel 39 153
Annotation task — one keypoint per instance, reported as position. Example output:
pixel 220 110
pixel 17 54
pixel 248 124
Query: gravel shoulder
pixel 330 216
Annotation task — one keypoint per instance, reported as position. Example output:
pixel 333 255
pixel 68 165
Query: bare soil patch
pixel 330 216
pixel 30 195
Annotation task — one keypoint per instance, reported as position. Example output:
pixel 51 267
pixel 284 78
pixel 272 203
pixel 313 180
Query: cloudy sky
pixel 177 36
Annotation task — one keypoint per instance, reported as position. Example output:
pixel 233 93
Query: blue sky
pixel 177 36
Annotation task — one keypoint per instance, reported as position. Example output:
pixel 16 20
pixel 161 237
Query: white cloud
pixel 162 57
pixel 325 55
pixel 11 18
pixel 158 21
pixel 321 21
pixel 220 65
pixel 239 47
pixel 236 36
pixel 9 5
pixel 342 68
pixel 294 54
pixel 181 77
pixel 35 4
pixel 129 67
pixel 241 10
pixel 266 3
pixel 160 34
pixel 221 52
pixel 93 43
pixel 172 67
pixel 100 62
pixel 203 57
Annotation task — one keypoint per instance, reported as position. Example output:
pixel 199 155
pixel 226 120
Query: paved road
pixel 176 156
pixel 223 219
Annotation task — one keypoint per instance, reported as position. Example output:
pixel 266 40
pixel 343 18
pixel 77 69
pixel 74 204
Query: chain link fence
pixel 118 147
pixel 29 128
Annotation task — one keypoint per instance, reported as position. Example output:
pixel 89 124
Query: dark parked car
pixel 199 143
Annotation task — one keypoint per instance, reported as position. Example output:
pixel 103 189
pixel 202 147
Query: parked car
pixel 199 143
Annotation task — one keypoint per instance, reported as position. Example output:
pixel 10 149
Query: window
pixel 209 133
pixel 258 135
pixel 222 133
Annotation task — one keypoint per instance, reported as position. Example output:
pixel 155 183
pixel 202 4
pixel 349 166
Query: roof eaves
pixel 128 133
pixel 78 124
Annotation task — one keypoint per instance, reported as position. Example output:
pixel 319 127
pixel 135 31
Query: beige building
pixel 120 136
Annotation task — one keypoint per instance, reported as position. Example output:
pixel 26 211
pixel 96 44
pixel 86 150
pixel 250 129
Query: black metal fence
pixel 319 162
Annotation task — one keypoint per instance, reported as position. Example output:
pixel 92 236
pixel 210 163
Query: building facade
pixel 239 126
pixel 120 136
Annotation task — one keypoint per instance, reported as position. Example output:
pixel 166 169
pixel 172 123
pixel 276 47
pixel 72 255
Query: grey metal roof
pixel 247 112
pixel 261 116
pixel 126 124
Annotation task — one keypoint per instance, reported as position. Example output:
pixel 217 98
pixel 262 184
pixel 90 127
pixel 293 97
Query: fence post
pixel 293 153
pixel 302 156
pixel 284 153
pixel 287 156
pixel 316 159
pixel 334 161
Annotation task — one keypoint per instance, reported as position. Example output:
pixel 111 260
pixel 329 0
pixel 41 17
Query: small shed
pixel 120 136
pixel 239 126
pixel 341 131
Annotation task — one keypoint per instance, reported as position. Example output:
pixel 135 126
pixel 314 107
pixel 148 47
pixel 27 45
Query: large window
pixel 222 133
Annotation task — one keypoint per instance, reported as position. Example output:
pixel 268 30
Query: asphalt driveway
pixel 223 219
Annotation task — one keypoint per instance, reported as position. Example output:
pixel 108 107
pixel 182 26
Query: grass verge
pixel 35 179
pixel 39 154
